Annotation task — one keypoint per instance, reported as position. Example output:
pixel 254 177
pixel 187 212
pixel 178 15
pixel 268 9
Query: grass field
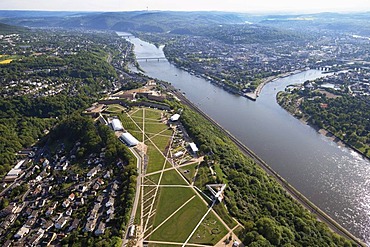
pixel 172 177
pixel 137 112
pixel 179 226
pixel 131 127
pixel 161 142
pixel 170 199
pixel 189 171
pixel 155 127
pixel 154 177
pixel 156 159
pixel 210 231
pixel 203 177
pixel 115 109
pixel 153 114
pixel 222 212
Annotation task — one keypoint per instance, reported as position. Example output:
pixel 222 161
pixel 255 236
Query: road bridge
pixel 146 59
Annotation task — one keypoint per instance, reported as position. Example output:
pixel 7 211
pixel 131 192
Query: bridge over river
pixel 150 58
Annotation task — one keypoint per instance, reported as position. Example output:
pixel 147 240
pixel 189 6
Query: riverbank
pixel 322 216
pixel 328 134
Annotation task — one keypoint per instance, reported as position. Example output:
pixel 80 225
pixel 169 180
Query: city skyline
pixel 190 5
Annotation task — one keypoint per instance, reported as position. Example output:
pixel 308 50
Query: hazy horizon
pixel 261 6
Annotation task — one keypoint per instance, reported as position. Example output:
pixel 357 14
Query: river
pixel 335 178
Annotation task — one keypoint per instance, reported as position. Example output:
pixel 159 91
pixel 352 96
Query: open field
pixel 172 177
pixel 179 227
pixel 156 158
pixel 161 142
pixel 222 212
pixel 209 232
pixel 189 171
pixel 170 199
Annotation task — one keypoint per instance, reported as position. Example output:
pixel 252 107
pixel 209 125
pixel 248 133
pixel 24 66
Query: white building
pixel 129 139
pixel 178 154
pixel 116 125
pixel 175 117
pixel 193 147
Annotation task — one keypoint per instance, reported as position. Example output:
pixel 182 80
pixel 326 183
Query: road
pixel 137 197
pixel 322 216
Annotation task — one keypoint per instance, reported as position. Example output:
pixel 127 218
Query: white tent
pixel 129 139
pixel 117 125
pixel 193 147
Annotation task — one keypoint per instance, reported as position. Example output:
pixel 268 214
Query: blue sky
pixel 185 5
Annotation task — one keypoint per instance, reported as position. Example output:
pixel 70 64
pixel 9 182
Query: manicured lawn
pixel 153 114
pixel 156 159
pixel 189 171
pixel 137 112
pixel 131 127
pixel 170 199
pixel 210 232
pixel 115 108
pixel 154 178
pixel 154 127
pixel 161 142
pixel 172 177
pixel 179 227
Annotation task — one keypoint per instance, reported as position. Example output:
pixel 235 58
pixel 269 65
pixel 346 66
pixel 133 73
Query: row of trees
pixel 269 215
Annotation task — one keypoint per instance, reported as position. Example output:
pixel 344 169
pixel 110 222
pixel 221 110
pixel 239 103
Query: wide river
pixel 335 178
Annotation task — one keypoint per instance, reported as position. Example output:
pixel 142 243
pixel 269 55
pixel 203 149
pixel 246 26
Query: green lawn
pixel 154 127
pixel 153 114
pixel 170 199
pixel 156 159
pixel 131 127
pixel 115 108
pixel 179 227
pixel 161 142
pixel 210 232
pixel 137 112
pixel 225 216
pixel 203 177
pixel 172 177
pixel 154 178
pixel 190 171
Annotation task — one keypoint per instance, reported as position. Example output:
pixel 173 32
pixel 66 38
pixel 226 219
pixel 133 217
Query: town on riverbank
pixel 95 154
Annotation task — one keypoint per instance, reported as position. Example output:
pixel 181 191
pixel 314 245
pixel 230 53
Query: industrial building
pixel 129 139
pixel 116 125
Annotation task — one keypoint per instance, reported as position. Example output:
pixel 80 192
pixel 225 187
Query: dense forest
pixel 269 215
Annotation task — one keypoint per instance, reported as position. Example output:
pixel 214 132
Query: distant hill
pixel 5 28
pixel 153 21
pixel 182 22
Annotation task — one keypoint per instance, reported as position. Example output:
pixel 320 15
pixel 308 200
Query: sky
pixel 304 6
